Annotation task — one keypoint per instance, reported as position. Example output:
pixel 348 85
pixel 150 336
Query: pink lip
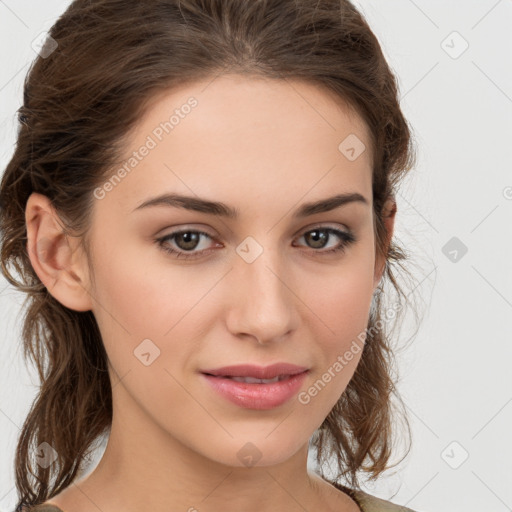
pixel 258 372
pixel 257 395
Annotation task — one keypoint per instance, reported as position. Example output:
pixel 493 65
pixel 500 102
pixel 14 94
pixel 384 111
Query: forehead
pixel 248 134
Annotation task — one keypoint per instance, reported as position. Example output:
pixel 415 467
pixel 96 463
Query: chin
pixel 259 451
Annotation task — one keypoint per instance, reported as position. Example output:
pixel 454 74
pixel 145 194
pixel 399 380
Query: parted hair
pixel 80 102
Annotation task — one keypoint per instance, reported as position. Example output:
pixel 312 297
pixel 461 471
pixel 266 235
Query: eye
pixel 188 240
pixel 318 237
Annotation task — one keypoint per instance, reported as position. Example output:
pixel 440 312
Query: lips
pixel 248 372
pixel 251 392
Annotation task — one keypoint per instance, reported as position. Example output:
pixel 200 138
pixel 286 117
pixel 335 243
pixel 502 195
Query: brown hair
pixel 82 100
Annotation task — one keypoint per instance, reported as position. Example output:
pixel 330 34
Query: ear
pixel 389 212
pixel 55 257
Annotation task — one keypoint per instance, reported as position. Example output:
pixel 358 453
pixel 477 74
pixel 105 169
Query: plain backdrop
pixel 453 61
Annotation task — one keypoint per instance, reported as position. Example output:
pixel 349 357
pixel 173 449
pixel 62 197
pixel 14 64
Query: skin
pixel 265 147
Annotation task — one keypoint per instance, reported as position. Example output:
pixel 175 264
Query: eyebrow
pixel 223 210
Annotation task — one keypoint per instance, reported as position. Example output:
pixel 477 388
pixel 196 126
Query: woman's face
pixel 259 287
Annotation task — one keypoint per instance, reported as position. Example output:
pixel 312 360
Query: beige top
pixel 366 502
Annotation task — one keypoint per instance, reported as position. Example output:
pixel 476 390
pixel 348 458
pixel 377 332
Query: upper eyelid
pixel 300 231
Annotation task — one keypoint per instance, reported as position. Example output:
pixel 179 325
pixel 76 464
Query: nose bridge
pixel 262 305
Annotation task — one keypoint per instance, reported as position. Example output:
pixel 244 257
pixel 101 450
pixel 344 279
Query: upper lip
pixel 257 372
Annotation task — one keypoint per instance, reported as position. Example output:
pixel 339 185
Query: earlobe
pixel 53 255
pixel 389 212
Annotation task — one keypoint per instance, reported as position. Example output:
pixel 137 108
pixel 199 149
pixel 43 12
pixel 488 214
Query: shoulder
pixel 369 503
pixel 45 507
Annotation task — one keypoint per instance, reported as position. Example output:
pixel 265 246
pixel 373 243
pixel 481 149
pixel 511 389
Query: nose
pixel 262 301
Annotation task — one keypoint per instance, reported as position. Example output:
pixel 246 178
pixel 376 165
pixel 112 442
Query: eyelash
pixel 347 238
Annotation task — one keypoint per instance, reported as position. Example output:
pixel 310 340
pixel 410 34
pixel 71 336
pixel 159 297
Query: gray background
pixel 455 377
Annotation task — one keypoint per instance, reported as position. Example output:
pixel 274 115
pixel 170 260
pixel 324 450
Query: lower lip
pixel 257 396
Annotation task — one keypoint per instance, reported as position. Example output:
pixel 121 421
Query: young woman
pixel 201 207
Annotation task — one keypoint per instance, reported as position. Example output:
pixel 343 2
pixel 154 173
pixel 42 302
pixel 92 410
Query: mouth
pixel 253 387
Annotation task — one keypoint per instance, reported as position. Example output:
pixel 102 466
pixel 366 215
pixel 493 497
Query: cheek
pixel 341 303
pixel 141 311
pixel 144 304
pixel 341 299
pixel 344 308
pixel 143 293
